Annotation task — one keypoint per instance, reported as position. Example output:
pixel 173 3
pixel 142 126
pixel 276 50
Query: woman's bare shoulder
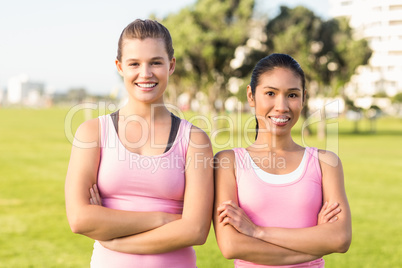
pixel 88 132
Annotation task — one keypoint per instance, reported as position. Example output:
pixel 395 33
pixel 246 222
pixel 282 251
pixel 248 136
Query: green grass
pixel 34 153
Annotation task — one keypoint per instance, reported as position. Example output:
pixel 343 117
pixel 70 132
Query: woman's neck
pixel 269 142
pixel 152 111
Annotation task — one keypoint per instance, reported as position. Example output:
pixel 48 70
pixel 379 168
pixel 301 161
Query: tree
pixel 295 32
pixel 397 98
pixel 205 38
pixel 347 53
pixel 326 50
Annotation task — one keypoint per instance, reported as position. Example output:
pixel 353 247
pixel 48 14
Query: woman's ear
pixel 119 67
pixel 250 97
pixel 172 66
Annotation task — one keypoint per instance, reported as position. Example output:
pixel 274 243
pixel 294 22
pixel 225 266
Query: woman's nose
pixel 281 104
pixel 146 71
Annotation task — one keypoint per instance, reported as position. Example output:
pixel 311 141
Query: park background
pixel 35 132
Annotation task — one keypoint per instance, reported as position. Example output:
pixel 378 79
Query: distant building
pixel 380 23
pixel 22 91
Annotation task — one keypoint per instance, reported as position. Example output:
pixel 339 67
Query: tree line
pixel 215 41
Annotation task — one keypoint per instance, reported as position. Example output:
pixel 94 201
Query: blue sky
pixel 67 44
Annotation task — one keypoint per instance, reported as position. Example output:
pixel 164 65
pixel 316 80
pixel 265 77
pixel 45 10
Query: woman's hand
pixel 230 213
pixel 95 198
pixel 328 213
pixel 107 244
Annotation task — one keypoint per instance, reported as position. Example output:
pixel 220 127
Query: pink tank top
pixel 291 205
pixel 133 182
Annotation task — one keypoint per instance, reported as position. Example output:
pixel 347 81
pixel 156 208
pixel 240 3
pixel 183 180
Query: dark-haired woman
pixel 276 202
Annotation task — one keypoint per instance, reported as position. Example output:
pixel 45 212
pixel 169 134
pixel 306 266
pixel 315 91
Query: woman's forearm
pixel 169 237
pixel 317 240
pixel 102 223
pixel 235 245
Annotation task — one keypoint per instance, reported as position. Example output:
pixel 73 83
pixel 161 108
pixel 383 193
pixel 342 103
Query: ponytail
pixel 256 128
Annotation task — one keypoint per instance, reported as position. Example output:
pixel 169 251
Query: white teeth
pixel 280 120
pixel 146 85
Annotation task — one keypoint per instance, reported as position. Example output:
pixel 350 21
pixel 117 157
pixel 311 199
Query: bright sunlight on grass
pixel 34 155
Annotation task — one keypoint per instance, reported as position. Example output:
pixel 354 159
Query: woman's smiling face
pixel 278 100
pixel 145 68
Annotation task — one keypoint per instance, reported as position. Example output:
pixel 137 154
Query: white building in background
pixel 21 90
pixel 380 23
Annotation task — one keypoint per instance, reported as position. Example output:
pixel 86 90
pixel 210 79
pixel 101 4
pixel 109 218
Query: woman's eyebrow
pixel 153 58
pixel 289 89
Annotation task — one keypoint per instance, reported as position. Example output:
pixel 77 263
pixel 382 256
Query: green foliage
pixel 326 50
pixel 397 98
pixel 381 94
pixel 205 37
pixel 207 33
pixel 34 155
pixel 349 53
pixel 293 32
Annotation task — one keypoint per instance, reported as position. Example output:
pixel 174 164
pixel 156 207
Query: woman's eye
pixel 293 95
pixel 133 64
pixel 270 93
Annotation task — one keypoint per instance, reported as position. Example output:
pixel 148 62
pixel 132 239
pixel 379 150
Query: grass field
pixel 34 154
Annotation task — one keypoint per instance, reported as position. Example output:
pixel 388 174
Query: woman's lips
pixel 280 120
